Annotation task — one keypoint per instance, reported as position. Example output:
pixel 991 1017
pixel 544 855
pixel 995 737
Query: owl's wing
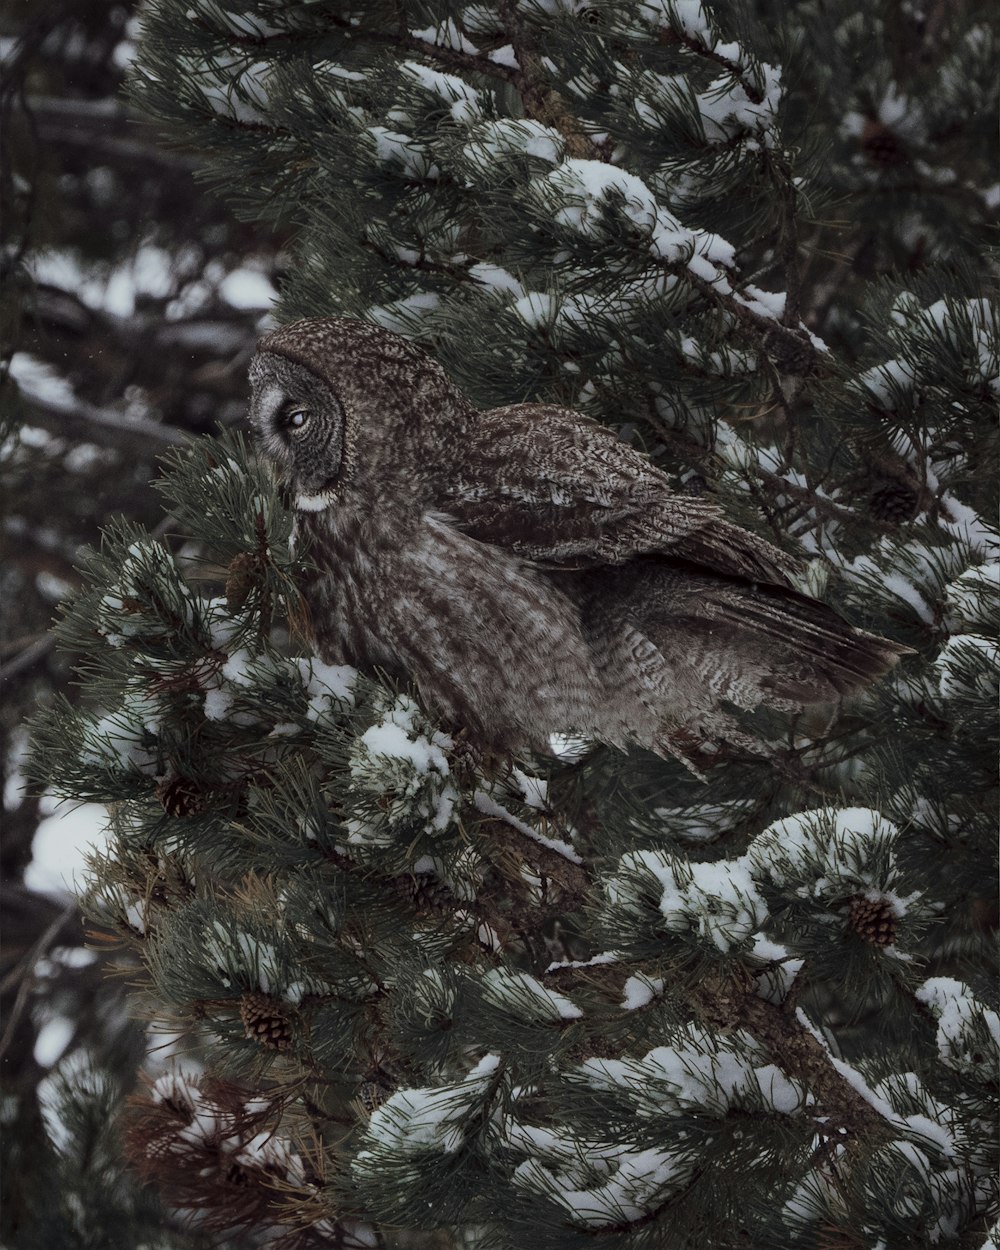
pixel 562 491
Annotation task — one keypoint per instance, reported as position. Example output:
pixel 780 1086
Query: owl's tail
pixel 719 639
pixel 816 655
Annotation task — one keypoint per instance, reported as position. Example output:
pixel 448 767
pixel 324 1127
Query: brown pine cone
pixel 874 919
pixel 242 575
pixel 265 1021
pixel 181 796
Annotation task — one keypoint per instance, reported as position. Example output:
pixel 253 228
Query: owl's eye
pixel 295 419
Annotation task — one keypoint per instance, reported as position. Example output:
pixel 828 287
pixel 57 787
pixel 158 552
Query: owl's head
pixel 299 422
pixel 336 400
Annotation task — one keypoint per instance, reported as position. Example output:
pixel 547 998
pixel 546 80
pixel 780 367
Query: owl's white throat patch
pixel 314 503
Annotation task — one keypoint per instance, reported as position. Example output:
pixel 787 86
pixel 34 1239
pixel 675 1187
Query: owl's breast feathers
pixel 492 644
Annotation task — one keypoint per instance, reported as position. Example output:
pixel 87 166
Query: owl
pixel 528 571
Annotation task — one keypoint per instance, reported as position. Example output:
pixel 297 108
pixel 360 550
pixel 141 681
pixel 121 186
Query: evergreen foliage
pixel 102 231
pixel 436 999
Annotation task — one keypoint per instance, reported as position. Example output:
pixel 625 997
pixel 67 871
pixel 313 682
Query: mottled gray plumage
pixel 529 571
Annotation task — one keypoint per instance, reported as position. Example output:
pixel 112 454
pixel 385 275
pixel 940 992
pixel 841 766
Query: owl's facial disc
pixel 298 421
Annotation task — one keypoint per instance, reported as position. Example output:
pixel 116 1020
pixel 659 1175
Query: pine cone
pixel 874 919
pixel 425 891
pixel 893 501
pixel 265 1021
pixel 374 1090
pixel 883 146
pixel 236 1175
pixel 181 796
pixel 242 577
pixel 791 350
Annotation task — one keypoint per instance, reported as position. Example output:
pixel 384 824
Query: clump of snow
pixel 491 143
pixel 968 329
pixel 244 960
pixel 594 196
pixel 488 805
pixel 890 385
pixel 915 571
pixel 148 584
pixel 894 1098
pixel 495 278
pixel 830 852
pixel 230 87
pixel 632 1183
pixel 525 996
pixel 330 687
pixel 960 522
pixel 774 981
pixel 534 790
pixel 968 1033
pixel 971 600
pixel 504 56
pixel 726 110
pixel 968 666
pixel 413 1122
pixel 400 776
pixel 405 315
pixel 462 100
pixel 127 739
pixel 446 35
pixel 273 1154
pixel 536 309
pixel 218 704
pixel 605 957
pixel 640 990
pixel 402 152
pixel 768 304
pixel 214 1126
pixel 699 1072
pixel 175 1088
pixel 718 903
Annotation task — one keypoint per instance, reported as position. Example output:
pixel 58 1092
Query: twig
pixel 542 102
pixel 32 654
pixel 796 1051
pixel 104 421
pixel 23 971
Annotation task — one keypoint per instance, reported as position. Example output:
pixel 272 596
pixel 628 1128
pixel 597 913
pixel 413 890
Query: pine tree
pixel 434 1000
pixel 101 232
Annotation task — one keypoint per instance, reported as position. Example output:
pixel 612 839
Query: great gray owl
pixel 528 570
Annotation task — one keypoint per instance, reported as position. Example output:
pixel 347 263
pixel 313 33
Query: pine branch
pixel 105 424
pixel 795 1048
pixel 541 101
pixel 22 974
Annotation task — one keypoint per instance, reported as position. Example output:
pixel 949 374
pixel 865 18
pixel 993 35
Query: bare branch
pixel 106 424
